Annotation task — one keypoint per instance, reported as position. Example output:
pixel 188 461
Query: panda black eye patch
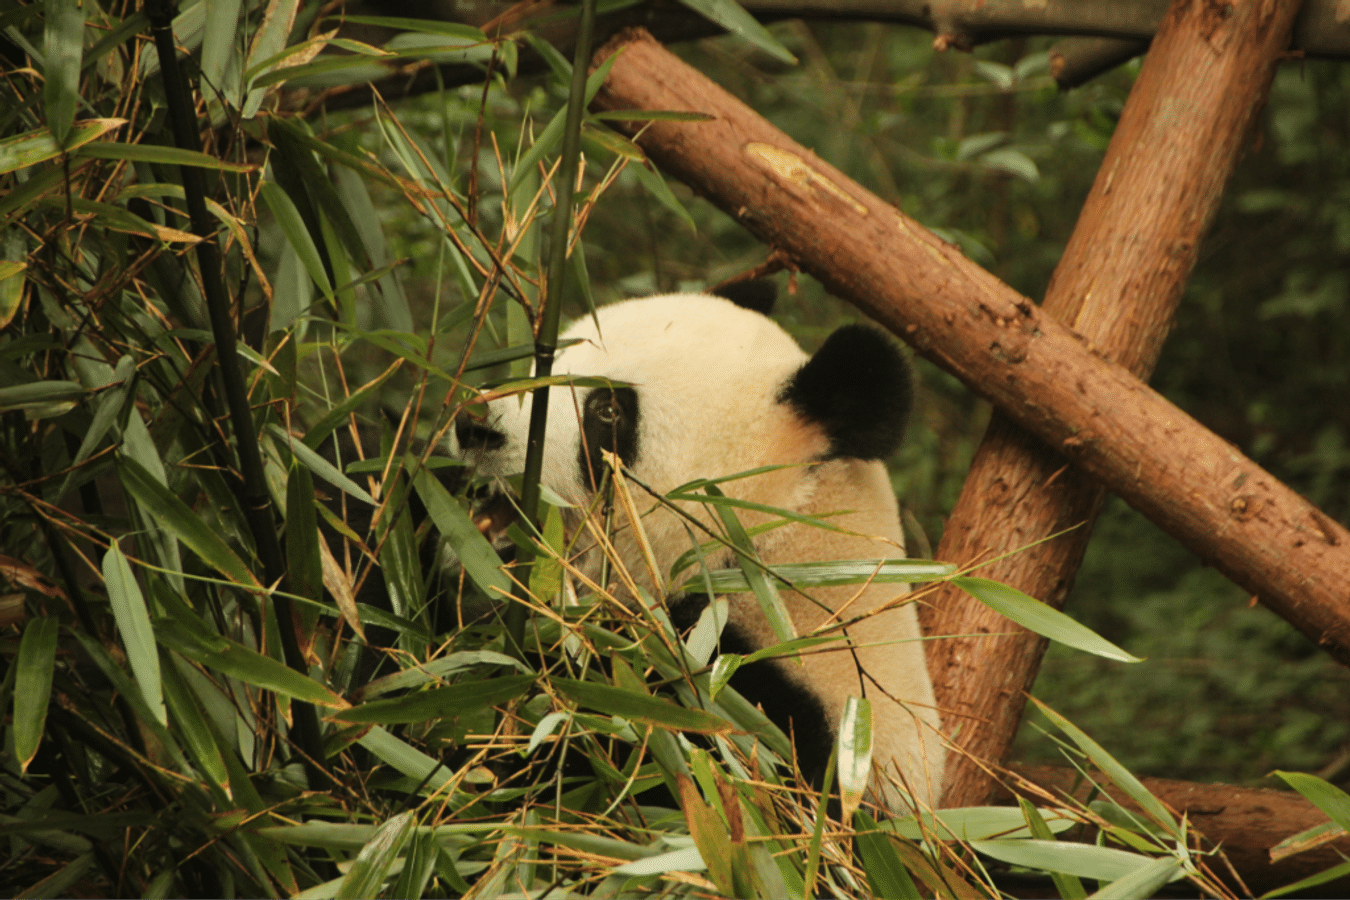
pixel 609 420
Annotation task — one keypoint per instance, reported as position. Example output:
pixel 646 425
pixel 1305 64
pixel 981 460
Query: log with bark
pixel 1118 284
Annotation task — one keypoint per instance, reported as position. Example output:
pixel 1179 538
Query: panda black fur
pixel 712 389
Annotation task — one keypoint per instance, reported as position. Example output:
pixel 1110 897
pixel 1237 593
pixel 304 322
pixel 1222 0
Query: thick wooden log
pixel 1245 822
pixel 1048 379
pixel 1117 285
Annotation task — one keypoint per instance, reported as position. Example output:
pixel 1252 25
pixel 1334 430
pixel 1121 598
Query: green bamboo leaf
pixel 1036 616
pixel 108 408
pixel 191 724
pixel 298 160
pixel 155 153
pixel 655 185
pixel 1081 860
pixel 764 590
pixel 886 872
pixel 318 465
pixel 133 622
pixel 642 708
pixel 411 762
pixel 61 882
pixel 480 561
pixel 40 394
pixel 439 703
pixel 1118 774
pixel 219 40
pixel 731 16
pixel 855 754
pixel 1312 881
pixel 174 517
pixel 423 26
pixel 234 659
pixel 33 686
pixel 293 227
pixel 687 859
pixel 371 865
pixel 548 139
pixel 418 866
pixel 1325 796
pixel 62 46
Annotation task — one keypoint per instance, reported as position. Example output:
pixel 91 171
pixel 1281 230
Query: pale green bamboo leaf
pixel 133 622
pixel 687 859
pixel 371 865
pixel 830 574
pixel 1081 860
pixel 63 47
pixel 733 17
pixel 639 707
pixel 1145 882
pixel 156 153
pixel 969 823
pixel 318 465
pixel 108 406
pixel 547 725
pixel 480 561
pixel 1118 774
pixel 293 227
pixel 855 754
pixel 34 670
pixel 61 882
pixel 724 667
pixel 174 516
pixel 137 445
pixel 220 40
pixel 425 26
pixel 268 41
pixel 1036 616
pixel 419 864
pixel 249 666
pixel 1069 887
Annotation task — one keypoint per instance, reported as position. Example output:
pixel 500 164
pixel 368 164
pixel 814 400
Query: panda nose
pixel 475 437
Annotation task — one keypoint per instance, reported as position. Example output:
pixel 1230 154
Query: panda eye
pixel 606 410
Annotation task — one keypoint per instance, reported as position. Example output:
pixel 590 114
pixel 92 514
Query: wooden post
pixel 1118 284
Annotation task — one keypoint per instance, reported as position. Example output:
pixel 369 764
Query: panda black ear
pixel 858 387
pixel 759 294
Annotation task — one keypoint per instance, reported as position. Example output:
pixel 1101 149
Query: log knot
pixel 1245 507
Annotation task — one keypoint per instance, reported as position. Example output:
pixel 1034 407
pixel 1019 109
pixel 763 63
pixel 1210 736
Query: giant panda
pixel 711 387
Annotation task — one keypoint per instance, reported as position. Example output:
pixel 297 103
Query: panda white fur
pixel 717 389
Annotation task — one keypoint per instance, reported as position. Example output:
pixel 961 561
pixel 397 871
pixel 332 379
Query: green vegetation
pixel 154 735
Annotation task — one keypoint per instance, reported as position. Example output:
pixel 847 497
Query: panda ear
pixel 858 388
pixel 759 294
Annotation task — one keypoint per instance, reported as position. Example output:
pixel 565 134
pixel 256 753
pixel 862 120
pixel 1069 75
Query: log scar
pixel 1245 507
pixel 793 169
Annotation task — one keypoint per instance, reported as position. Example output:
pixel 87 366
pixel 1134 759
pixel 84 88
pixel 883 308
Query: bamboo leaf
pixel 855 754
pixel 765 592
pixel 371 865
pixel 34 669
pixel 439 703
pixel 39 394
pixel 886 873
pixel 268 41
pixel 174 516
pixel 411 762
pixel 1324 795
pixel 33 147
pixel 218 42
pixel 318 465
pixel 828 574
pixel 133 622
pixel 154 153
pixel 970 823
pixel 63 47
pixel 1081 860
pixel 1036 616
pixel 1145 882
pixel 733 17
pixel 710 836
pixel 293 227
pixel 1069 887
pixel 1118 774
pixel 234 659
pixel 642 708
pixel 480 561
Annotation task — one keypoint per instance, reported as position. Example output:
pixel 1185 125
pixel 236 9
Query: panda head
pixel 703 386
